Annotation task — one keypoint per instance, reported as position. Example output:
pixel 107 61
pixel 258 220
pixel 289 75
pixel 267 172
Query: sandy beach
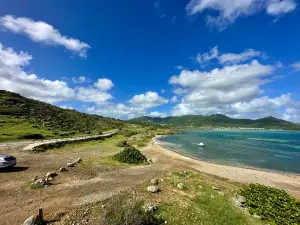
pixel 289 182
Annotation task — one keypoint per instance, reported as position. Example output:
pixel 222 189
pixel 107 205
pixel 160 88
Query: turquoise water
pixel 270 150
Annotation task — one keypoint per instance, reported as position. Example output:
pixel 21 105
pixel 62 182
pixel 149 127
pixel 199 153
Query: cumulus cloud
pixel 234 90
pixel 228 10
pixel 39 31
pixel 13 77
pixel 227 58
pixel 66 107
pixel 117 111
pixel 296 66
pixel 157 114
pixel 104 84
pixel 148 100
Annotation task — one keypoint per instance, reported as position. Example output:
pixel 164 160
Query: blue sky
pixel 159 58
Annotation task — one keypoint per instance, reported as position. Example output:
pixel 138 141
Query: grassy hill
pixel 22 117
pixel 218 120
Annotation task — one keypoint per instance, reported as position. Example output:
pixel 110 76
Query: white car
pixel 7 161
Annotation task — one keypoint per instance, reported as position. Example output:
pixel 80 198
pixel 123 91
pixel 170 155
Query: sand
pixel 289 182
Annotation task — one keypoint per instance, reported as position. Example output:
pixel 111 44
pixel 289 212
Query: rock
pixel 33 220
pixel 215 188
pixel 240 201
pixel 41 181
pixel 150 208
pixel 34 179
pixel 149 161
pixel 63 169
pixel 79 160
pixel 180 186
pixel 154 181
pixel 161 180
pixel 182 173
pixel 256 216
pixel 51 174
pixel 212 196
pixel 152 189
pixel 71 164
pixel 221 193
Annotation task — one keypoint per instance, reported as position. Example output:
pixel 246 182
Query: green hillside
pixel 22 117
pixel 218 120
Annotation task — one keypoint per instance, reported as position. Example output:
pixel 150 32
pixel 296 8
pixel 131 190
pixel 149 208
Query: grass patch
pixel 272 204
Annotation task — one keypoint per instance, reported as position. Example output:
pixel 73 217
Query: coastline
pixel 287 181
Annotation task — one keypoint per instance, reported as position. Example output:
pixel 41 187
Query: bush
pixel 272 204
pixel 126 211
pixel 128 133
pixel 33 136
pixel 130 155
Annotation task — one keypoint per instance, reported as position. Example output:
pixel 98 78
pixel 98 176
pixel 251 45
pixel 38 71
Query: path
pixel 41 142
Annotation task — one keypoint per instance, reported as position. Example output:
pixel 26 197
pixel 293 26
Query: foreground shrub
pixel 130 155
pixel 272 204
pixel 128 133
pixel 33 136
pixel 121 210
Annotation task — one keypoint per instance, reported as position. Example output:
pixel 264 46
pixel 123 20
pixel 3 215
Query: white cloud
pixel 80 79
pixel 65 107
pixel 296 66
pixel 14 78
pixel 148 100
pixel 104 84
pixel 234 90
pixel 180 91
pixel 232 58
pixel 229 10
pixel 158 114
pixel 117 111
pixel 227 58
pixel 278 7
pixel 42 32
pixel 174 99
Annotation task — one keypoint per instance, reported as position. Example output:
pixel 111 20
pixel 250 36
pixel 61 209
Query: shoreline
pixel 155 140
pixel 287 181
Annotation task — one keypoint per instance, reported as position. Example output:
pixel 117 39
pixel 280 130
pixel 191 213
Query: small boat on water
pixel 201 144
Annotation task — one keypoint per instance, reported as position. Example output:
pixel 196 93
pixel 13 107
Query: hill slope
pixel 217 120
pixel 20 116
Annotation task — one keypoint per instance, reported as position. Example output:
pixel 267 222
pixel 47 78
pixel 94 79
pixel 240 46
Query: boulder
pixel 41 181
pixel 71 164
pixel 79 160
pixel 150 208
pixel 214 188
pixel 180 186
pixel 63 169
pixel 240 201
pixel 34 179
pixel 212 196
pixel 149 161
pixel 51 174
pixel 154 181
pixel 33 220
pixel 152 189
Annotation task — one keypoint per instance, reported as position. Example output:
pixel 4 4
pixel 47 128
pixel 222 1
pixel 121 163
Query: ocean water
pixel 269 150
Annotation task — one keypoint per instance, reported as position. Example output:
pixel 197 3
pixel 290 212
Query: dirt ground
pixel 79 185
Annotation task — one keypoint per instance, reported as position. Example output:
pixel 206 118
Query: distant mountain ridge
pixel 217 120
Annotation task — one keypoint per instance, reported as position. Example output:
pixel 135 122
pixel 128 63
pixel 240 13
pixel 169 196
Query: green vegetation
pixel 20 116
pixel 130 155
pixel 272 204
pixel 217 120
pixel 122 210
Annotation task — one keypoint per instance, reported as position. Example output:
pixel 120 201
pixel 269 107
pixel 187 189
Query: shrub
pixel 33 136
pixel 122 210
pixel 128 133
pixel 130 155
pixel 272 204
